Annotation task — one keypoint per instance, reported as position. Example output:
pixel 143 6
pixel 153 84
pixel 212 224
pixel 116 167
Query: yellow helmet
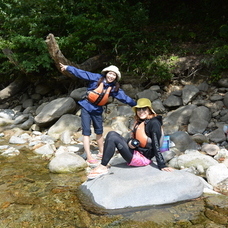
pixel 143 102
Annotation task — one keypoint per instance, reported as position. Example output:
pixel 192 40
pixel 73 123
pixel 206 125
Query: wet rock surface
pixel 32 196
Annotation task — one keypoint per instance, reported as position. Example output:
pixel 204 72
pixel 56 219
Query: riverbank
pixel 31 196
pixel 199 118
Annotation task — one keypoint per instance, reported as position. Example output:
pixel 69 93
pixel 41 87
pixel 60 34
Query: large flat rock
pixel 125 187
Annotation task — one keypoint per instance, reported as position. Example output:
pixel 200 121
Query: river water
pixel 31 196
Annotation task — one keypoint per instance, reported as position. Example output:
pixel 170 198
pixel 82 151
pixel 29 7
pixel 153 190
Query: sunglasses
pixel 141 109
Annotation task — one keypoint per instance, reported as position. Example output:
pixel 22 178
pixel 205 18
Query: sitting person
pixel 143 145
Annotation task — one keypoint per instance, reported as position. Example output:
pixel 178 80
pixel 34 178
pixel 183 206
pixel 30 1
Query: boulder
pixel 127 187
pixel 67 122
pixel 52 111
pixel 67 163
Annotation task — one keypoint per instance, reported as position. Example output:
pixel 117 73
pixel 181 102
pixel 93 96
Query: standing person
pixel 143 145
pixel 100 87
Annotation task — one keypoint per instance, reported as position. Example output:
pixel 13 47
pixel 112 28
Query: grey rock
pixel 67 163
pixel 173 101
pixel 179 116
pixel 20 119
pixel 67 122
pixel 217 135
pixel 129 187
pixel 27 103
pixel 203 86
pixel 158 106
pixel 79 93
pixel 193 158
pixel 197 126
pixel 148 93
pixel 223 82
pixel 183 141
pixel 54 110
pixel 189 93
pixel 225 100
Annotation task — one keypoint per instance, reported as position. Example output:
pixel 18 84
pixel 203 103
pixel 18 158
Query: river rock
pixel 11 151
pixel 46 149
pixel 67 122
pixel 173 101
pixel 222 187
pixel 179 116
pixel 183 141
pixel 158 106
pixel 226 100
pixel 148 93
pixel 216 174
pixel 125 187
pixel 16 140
pixel 66 163
pixel 200 138
pixel 217 135
pixel 193 158
pixel 189 92
pixel 78 93
pixel 54 110
pixel 210 149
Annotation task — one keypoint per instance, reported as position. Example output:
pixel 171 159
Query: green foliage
pixel 83 29
pixel 218 62
pixel 138 34
pixel 27 55
pixel 223 31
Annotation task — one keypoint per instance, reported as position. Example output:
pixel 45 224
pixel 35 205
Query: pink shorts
pixel 139 160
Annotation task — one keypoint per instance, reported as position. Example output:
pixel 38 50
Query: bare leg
pixel 86 143
pixel 100 143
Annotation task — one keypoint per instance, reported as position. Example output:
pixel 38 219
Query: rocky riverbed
pixel 37 127
pixel 32 196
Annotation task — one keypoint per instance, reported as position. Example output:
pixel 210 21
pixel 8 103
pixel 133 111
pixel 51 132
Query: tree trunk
pixel 91 64
pixel 12 89
pixel 17 85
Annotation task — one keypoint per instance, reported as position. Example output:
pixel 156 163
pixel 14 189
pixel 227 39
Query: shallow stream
pixel 31 196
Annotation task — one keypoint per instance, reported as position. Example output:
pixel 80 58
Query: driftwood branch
pixel 56 54
pixel 91 64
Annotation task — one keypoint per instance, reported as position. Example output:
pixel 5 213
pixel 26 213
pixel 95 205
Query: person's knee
pixel 112 134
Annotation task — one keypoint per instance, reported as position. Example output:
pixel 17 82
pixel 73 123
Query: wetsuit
pixel 115 141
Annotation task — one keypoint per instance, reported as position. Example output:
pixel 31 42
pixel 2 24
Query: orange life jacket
pixel 99 96
pixel 140 134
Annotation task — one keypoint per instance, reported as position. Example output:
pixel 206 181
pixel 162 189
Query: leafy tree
pixel 139 34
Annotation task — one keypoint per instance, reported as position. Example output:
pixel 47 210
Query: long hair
pixel 116 87
pixel 150 116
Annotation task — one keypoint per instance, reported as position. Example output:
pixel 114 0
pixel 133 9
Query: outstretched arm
pixel 63 67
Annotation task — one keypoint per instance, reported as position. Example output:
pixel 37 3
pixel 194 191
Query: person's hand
pixel 130 146
pixel 168 169
pixel 62 67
